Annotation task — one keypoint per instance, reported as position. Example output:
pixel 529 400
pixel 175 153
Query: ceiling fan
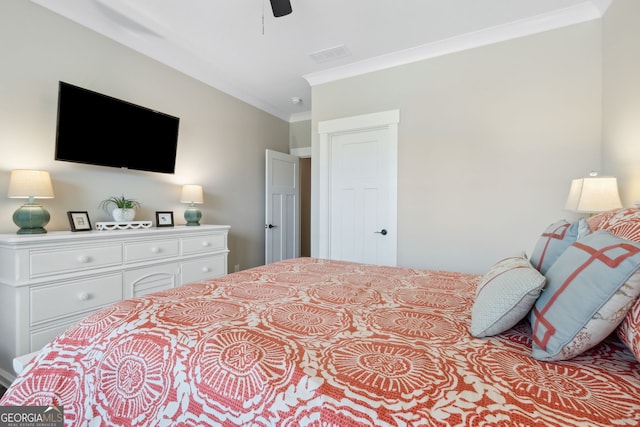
pixel 280 7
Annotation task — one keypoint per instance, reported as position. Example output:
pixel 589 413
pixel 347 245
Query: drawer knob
pixel 205 269
pixel 206 243
pixel 83 296
pixel 83 259
pixel 155 250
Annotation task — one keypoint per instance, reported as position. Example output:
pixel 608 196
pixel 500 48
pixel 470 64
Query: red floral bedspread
pixel 322 343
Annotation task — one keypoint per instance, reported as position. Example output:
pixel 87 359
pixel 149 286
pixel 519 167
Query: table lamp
pixel 192 194
pixel 30 184
pixel 593 194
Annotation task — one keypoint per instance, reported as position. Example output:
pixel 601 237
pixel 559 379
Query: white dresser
pixel 50 281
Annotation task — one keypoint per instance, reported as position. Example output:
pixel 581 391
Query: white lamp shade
pixel 24 184
pixel 191 194
pixel 591 195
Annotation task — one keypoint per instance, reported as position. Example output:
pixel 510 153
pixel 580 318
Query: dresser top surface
pixel 105 235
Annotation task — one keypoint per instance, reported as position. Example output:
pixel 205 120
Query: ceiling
pixel 238 47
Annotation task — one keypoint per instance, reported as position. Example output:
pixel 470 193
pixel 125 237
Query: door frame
pixel 327 129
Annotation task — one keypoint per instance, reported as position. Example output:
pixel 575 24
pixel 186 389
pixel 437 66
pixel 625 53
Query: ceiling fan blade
pixel 280 7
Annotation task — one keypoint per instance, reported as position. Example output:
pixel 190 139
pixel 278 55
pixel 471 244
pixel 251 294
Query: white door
pixel 361 229
pixel 358 192
pixel 282 207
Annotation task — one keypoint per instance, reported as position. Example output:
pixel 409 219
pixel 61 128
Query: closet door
pixel 358 194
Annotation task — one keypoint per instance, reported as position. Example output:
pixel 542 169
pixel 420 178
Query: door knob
pixel 270 226
pixel 383 232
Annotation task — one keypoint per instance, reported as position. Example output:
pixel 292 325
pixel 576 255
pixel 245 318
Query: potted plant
pixel 120 208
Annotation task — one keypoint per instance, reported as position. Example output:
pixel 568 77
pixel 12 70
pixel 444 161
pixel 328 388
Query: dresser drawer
pixel 74 259
pixel 142 281
pixel 153 249
pixel 203 268
pixel 69 298
pixel 205 243
pixel 42 337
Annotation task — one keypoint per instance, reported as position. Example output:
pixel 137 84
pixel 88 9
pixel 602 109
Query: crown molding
pixel 586 11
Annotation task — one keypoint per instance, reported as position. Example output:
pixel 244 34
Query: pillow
pixel 629 329
pixel 599 220
pixel 505 296
pixel 589 290
pixel 624 222
pixel 554 241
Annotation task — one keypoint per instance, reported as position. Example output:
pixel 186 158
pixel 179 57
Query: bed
pixel 331 343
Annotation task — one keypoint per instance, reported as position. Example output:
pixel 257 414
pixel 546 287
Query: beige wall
pixel 621 99
pixel 221 142
pixel 489 140
pixel 300 134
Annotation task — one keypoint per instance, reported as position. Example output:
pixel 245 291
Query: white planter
pixel 123 215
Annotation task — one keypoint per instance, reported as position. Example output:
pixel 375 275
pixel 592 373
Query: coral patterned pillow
pixel 555 239
pixel 629 330
pixel 589 290
pixel 623 222
pixel 505 296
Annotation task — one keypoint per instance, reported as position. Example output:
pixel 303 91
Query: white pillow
pixel 505 295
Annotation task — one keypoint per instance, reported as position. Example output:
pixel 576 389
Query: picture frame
pixel 164 219
pixel 79 220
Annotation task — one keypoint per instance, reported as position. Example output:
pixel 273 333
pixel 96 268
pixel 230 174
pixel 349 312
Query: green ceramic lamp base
pixel 31 218
pixel 192 215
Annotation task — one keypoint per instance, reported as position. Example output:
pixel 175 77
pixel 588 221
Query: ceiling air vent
pixel 330 54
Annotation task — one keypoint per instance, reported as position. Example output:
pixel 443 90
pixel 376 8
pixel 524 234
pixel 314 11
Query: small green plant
pixel 118 202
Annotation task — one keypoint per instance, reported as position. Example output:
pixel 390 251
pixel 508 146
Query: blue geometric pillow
pixel 553 242
pixel 589 290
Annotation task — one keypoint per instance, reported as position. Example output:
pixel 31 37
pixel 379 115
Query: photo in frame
pixel 164 219
pixel 79 220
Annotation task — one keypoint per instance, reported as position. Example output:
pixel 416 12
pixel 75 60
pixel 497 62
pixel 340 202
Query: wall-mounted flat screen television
pixel 101 130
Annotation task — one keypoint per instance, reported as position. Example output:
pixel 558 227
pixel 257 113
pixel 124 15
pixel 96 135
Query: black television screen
pixel 101 130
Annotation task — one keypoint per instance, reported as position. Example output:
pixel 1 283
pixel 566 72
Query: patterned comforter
pixel 323 343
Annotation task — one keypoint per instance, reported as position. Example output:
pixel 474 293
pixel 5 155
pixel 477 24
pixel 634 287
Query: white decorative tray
pixel 122 225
